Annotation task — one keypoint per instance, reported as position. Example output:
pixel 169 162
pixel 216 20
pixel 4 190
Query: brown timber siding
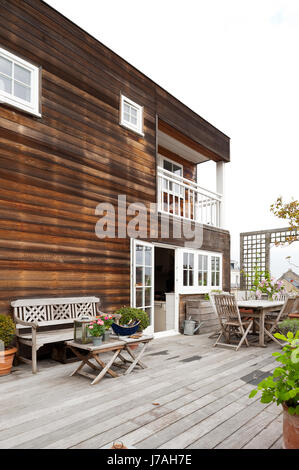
pixel 54 170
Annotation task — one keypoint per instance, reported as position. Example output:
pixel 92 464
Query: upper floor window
pixel 177 170
pixel 131 115
pixel 19 83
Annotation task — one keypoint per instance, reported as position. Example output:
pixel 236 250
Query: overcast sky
pixel 236 64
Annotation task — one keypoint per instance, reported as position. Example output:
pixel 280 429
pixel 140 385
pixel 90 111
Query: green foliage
pixel 290 212
pixel 130 314
pixel 283 385
pixel 96 328
pixel 7 330
pixel 289 325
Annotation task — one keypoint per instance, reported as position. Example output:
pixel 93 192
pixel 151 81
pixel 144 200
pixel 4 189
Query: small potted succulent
pixel 282 387
pixel 7 352
pixel 108 320
pixel 97 330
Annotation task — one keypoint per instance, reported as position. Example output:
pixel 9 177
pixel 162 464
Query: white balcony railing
pixel 184 198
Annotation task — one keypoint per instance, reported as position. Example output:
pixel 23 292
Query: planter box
pixel 200 310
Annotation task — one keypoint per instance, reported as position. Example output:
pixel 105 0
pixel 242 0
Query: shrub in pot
pixel 129 315
pixel 282 388
pixel 7 352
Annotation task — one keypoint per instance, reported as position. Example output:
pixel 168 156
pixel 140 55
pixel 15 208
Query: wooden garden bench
pixel 51 313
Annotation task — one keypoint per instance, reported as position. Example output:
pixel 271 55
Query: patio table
pixel 117 346
pixel 260 309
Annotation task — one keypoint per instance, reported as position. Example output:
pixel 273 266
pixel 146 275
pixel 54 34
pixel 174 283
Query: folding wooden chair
pixel 290 306
pixel 231 321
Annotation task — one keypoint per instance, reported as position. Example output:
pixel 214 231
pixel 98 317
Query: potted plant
pixel 282 387
pixel 108 320
pixel 97 330
pixel 131 315
pixel 7 352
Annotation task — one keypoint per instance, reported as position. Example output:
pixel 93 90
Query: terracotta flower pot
pixel 6 358
pixel 290 429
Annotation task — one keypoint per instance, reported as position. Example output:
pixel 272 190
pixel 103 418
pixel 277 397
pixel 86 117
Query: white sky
pixel 236 64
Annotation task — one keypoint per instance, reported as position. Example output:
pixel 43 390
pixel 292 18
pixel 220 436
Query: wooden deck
pixel 200 395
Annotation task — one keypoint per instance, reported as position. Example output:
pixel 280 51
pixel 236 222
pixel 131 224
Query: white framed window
pixel 131 115
pixel 215 271
pixel 199 271
pixel 19 83
pixel 203 270
pixel 188 268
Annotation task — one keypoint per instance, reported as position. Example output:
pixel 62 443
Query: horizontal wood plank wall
pixel 56 169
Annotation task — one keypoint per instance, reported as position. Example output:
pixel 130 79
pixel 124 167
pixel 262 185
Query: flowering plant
pixel 270 286
pixel 96 327
pixel 107 319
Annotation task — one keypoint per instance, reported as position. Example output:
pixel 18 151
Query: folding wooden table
pixel 115 345
pixel 260 308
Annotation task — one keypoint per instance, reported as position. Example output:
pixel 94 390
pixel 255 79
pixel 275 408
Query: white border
pixel 8 98
pixel 139 127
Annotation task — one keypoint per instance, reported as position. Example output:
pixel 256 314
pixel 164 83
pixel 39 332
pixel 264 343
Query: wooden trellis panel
pixel 255 251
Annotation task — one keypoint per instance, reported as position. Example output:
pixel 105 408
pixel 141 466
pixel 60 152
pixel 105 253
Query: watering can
pixel 189 327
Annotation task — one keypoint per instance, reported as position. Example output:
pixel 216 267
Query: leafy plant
pixel 7 330
pixel 130 314
pixel 282 387
pixel 107 319
pixel 289 325
pixel 290 212
pixel 96 327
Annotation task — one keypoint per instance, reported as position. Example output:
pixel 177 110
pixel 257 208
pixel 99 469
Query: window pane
pixel 217 264
pixel 139 255
pixel 217 279
pixel 200 279
pixel 148 277
pixel 177 170
pixel 22 75
pixel 213 263
pixel 190 278
pixel 148 291
pixel 185 262
pixel 200 259
pixel 126 108
pixel 185 278
pixel 5 84
pixel 134 120
pixel 139 297
pixel 205 279
pixel 127 117
pixel 191 260
pixel 205 267
pixel 139 276
pixel 148 256
pixel 22 91
pixel 5 66
pixel 167 165
pixel 133 112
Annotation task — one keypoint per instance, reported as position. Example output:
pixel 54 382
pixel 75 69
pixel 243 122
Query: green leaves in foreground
pixel 283 385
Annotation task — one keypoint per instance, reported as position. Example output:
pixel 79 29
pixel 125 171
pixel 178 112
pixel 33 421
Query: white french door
pixel 142 279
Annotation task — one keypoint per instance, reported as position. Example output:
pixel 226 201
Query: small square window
pixel 131 115
pixel 19 82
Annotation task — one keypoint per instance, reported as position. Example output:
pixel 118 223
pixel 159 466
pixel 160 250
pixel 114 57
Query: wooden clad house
pixel 79 126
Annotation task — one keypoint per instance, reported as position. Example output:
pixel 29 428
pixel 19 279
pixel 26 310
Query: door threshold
pixel 163 334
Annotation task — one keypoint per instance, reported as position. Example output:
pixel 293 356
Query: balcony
pixel 184 198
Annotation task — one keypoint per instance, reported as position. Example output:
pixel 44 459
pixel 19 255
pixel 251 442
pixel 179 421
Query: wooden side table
pixel 94 352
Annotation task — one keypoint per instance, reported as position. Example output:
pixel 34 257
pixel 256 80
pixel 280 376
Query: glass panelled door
pixel 143 279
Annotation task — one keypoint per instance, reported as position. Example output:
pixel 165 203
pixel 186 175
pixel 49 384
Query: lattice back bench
pixel 35 313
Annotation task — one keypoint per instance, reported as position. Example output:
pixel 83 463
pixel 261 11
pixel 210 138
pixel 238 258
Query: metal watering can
pixel 189 327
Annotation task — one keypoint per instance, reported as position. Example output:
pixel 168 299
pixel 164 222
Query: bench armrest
pixel 31 324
